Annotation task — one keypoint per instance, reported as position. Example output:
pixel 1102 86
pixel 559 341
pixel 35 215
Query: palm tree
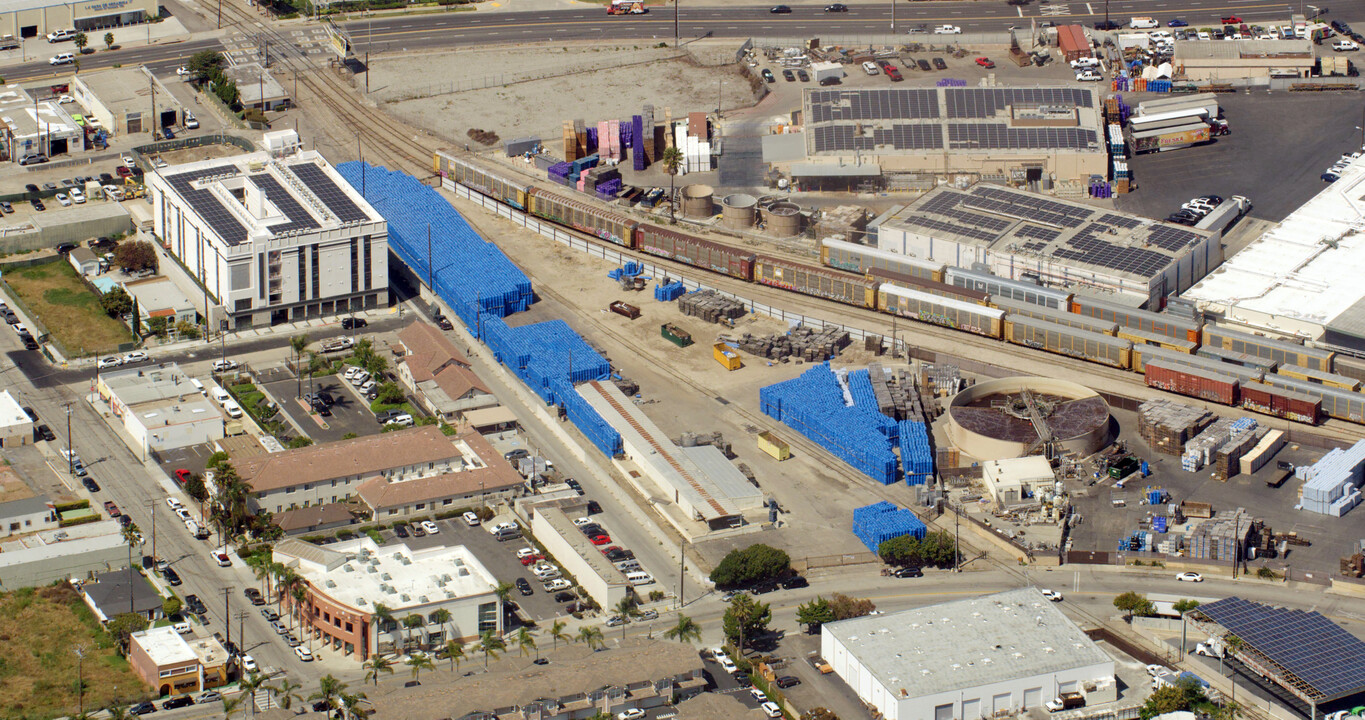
pixel 354 709
pixel 411 622
pixel 686 630
pixel 232 706
pixel 249 684
pixel 286 693
pixel 130 538
pixel 524 640
pixel 297 343
pixel 489 645
pixel 109 40
pixel 557 632
pixel 441 617
pixel 455 652
pixel 117 712
pixel 329 689
pixel 260 567
pixel 419 662
pixel 383 617
pixel 672 157
pixel 299 593
pixel 590 636
pixel 626 608
pixel 376 665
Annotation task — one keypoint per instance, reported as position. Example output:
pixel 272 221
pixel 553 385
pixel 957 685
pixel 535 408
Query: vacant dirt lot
pixel 433 91
pixel 71 312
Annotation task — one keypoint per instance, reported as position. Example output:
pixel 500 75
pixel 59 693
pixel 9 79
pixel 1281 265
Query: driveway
pixel 350 414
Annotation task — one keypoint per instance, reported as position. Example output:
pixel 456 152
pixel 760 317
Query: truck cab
pixel 1065 701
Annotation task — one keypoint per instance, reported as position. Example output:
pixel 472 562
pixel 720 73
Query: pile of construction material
pixel 1227 458
pixel 1221 537
pixel 711 306
pixel 801 342
pixel 1332 484
pixel 1221 446
pixel 716 440
pixel 899 396
pixel 1166 426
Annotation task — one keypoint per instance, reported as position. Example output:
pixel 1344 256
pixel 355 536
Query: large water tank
pixel 737 211
pixel 696 201
pixel 783 219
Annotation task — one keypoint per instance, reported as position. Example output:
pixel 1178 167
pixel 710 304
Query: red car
pixel 892 72
pixel 985 62
pixel 1232 20
pixel 122 171
pixel 182 475
pixel 601 539
pixel 532 559
pixel 112 509
pixel 606 550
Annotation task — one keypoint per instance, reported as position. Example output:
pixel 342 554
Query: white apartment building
pixel 273 238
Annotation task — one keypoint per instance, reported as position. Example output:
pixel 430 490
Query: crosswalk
pixel 263 699
pixel 1054 9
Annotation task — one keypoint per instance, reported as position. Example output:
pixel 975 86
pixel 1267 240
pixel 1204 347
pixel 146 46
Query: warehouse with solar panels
pixel 1314 659
pixel 1127 259
pixel 274 238
pixel 901 137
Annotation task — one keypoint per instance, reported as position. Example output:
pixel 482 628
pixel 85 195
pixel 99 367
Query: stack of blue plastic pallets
pixel 814 405
pixel 917 459
pixel 668 292
pixel 879 522
pixel 629 270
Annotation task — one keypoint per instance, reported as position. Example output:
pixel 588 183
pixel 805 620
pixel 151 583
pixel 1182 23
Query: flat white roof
pixel 11 412
pixel 1307 268
pixel 361 574
pixel 165 646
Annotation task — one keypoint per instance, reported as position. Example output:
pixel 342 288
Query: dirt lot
pixel 591 83
pixel 70 311
pixel 39 631
pixel 203 152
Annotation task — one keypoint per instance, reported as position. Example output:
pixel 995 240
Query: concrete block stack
pixel 710 306
pixel 1332 484
pixel 1166 425
pixel 1199 450
pixel 1221 537
pixel 802 342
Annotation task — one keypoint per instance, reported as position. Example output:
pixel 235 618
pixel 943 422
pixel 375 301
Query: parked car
pixel 178 701
pixel 109 362
pixel 430 527
pixel 1177 22
pixel 224 365
pixel 985 63
pixel 940 64
pixel 172 577
pixel 90 484
pixel 353 323
pixel 1190 577
pixel 768 76
pixel 304 653
pixel 788 75
pixel 523 587
pixel 191 121
pixel 1052 595
pixel 787 681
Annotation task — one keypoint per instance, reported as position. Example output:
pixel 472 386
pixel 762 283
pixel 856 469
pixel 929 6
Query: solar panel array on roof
pixel 1306 644
pixel 1045 234
pixel 1169 238
pixel 1032 207
pixel 1089 246
pixel 987 102
pixel 327 191
pixel 999 136
pixel 909 137
pixel 1127 223
pixel 951 228
pixel 898 104
pixel 220 220
pixel 299 219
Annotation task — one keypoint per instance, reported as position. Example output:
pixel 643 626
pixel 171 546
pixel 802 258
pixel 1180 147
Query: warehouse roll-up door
pixel 971 709
pixel 1001 703
pixel 943 712
pixel 1066 687
pixel 1033 697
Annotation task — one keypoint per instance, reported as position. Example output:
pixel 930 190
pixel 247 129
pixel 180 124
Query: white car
pixel 182 513
pixel 248 664
pixel 715 654
pixel 76 196
pixel 1345 46
pixel 1190 577
pixel 525 552
pixel 182 627
pixel 947 30
pixel 430 527
pixel 136 356
pixel 129 162
pixel 191 122
pixel 350 372
pixel 471 519
pixel 65 99
pixel 1160 35
pixel 1052 595
pixel 224 365
pixel 557 585
pixel 304 653
pixel 631 714
pixel 1085 62
pixel 726 664
pixel 232 409
pixel 63 200
pixel 1088 76
pixel 758 695
pixel 871 68
pixel 109 362
pixel 1154 670
pixel 771 709
pixel 580 522
pixel 220 556
pixel 62 59
pixel 173 503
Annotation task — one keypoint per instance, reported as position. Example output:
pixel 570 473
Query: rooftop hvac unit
pixel 331 583
pixel 445 577
pixel 386 576
pixel 372 569
pixel 406 597
pixel 423 599
pixel 464 572
pixel 361 601
pixel 405 560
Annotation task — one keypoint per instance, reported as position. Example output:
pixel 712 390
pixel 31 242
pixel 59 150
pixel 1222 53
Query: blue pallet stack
pixel 668 292
pixel 879 522
pixel 629 270
pixel 637 145
pixel 917 459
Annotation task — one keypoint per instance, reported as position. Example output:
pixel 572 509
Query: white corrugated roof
pixel 1306 268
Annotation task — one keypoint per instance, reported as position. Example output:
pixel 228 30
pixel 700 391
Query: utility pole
pixel 227 612
pixel 70 444
pixel 430 261
pixel 151 85
pixel 220 14
pixel 682 577
pixel 676 36
pixel 241 629
pixel 80 678
pixel 893 17
pixel 957 539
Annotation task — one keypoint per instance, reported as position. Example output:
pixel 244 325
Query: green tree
pixel 329 691
pixel 81 41
pixel 286 693
pixel 626 609
pixel 490 645
pixel 170 606
pixel 135 256
pixel 454 653
pixel 590 636
pixel 300 442
pixel 206 62
pixel 123 625
pixel 1184 694
pixel 557 632
pixel 814 614
pixel 389 393
pixel 418 662
pixel 383 619
pixel 672 158
pixel 376 666
pixel 187 330
pixel 297 343
pixel 232 706
pixel 109 41
pixel 248 684
pixel 684 630
pixel 355 706
pixel 1185 605
pixel 903 550
pixel 525 641
pixel 749 565
pixel 745 618
pixel 117 302
pixel 844 607
pixel 216 459
pixel 440 617
pixel 1134 604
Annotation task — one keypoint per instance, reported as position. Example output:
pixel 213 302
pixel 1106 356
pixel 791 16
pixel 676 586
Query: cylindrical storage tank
pixel 696 201
pixel 737 211
pixel 783 219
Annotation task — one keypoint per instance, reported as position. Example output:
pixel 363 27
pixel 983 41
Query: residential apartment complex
pixel 433 368
pixel 273 237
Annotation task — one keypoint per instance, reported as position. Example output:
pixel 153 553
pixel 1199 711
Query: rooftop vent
pixel 372 569
pixel 386 576
pixel 331 583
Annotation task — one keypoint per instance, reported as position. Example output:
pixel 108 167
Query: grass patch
pixel 71 312
pixel 39 627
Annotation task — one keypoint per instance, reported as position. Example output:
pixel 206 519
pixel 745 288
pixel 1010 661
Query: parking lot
pixel 350 412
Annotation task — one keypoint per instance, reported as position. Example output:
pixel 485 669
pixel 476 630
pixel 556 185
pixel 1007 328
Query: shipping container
pixel 1339 404
pixel 1135 319
pixel 929 286
pixel 1003 287
pixel 584 217
pixel 727 356
pixel 1144 337
pixel 1192 382
pixel 905 302
pixel 816 281
pixel 499 187
pixel 1281 402
pixel 1060 317
pixel 695 251
pixel 774 446
pixel 1319 377
pixel 1283 352
pixel 1240 359
pixel 675 335
pixel 624 309
pixel 1083 344
pixel 863 259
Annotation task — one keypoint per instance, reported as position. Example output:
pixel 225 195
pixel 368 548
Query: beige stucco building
pixel 1243 59
pixel 31 18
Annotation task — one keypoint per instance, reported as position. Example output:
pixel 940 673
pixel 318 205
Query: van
pixel 1143 22
pixel 403 420
pixel 62 59
pixel 639 577
pixel 199 386
pixel 220 395
pixel 511 533
pixel 626 566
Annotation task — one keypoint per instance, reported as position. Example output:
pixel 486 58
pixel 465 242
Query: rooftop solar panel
pixel 299 218
pixel 327 191
pixel 220 220
pixel 1305 644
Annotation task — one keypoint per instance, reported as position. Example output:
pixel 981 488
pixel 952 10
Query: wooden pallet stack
pixel 1166 425
pixel 710 306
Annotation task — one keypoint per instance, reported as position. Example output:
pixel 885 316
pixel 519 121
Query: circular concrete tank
pixel 696 201
pixel 737 211
pixel 992 420
pixel 783 219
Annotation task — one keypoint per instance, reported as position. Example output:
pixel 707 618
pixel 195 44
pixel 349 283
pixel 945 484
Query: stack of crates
pixel 1117 148
pixel 917 459
pixel 668 292
pixel 879 522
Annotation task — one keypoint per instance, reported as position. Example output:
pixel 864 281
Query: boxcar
pixel 1146 337
pixel 1319 377
pixel 1060 317
pixel 581 216
pixel 1340 404
pixel 939 310
pixel 816 281
pixel 1191 381
pixel 1283 352
pixel 1063 340
pixel 932 287
pixel 1142 354
pixel 863 260
pixel 1281 402
pixel 695 251
pixel 1135 319
pixel 501 188
pixel 1004 287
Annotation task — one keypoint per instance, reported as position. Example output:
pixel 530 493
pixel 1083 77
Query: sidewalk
pixel 168 31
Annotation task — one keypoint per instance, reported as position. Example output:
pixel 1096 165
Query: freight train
pixel 1190 358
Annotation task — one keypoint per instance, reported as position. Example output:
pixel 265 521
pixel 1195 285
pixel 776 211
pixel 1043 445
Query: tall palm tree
pixel 455 652
pixel 590 636
pixel 300 593
pixel 354 705
pixel 376 665
pixel 248 685
pixel 260 567
pixel 672 157
pixel 524 640
pixel 383 618
pixel 419 662
pixel 286 693
pixel 117 712
pixel 557 632
pixel 626 608
pixel 329 690
pixel 489 645
pixel 411 622
pixel 441 617
pixel 232 706
pixel 297 343
pixel 686 630
pixel 130 539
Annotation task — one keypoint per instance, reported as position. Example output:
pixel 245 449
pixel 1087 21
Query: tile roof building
pixel 440 374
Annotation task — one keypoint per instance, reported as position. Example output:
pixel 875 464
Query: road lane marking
pixel 1089 10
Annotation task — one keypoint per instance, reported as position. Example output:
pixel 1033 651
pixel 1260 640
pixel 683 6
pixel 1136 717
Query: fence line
pixel 488 81
pixel 901 37
pixel 43 335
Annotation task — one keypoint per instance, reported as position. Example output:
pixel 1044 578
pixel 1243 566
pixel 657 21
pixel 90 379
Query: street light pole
pixel 70 445
pixel 676 35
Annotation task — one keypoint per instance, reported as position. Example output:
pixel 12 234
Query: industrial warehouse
pixel 908 137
